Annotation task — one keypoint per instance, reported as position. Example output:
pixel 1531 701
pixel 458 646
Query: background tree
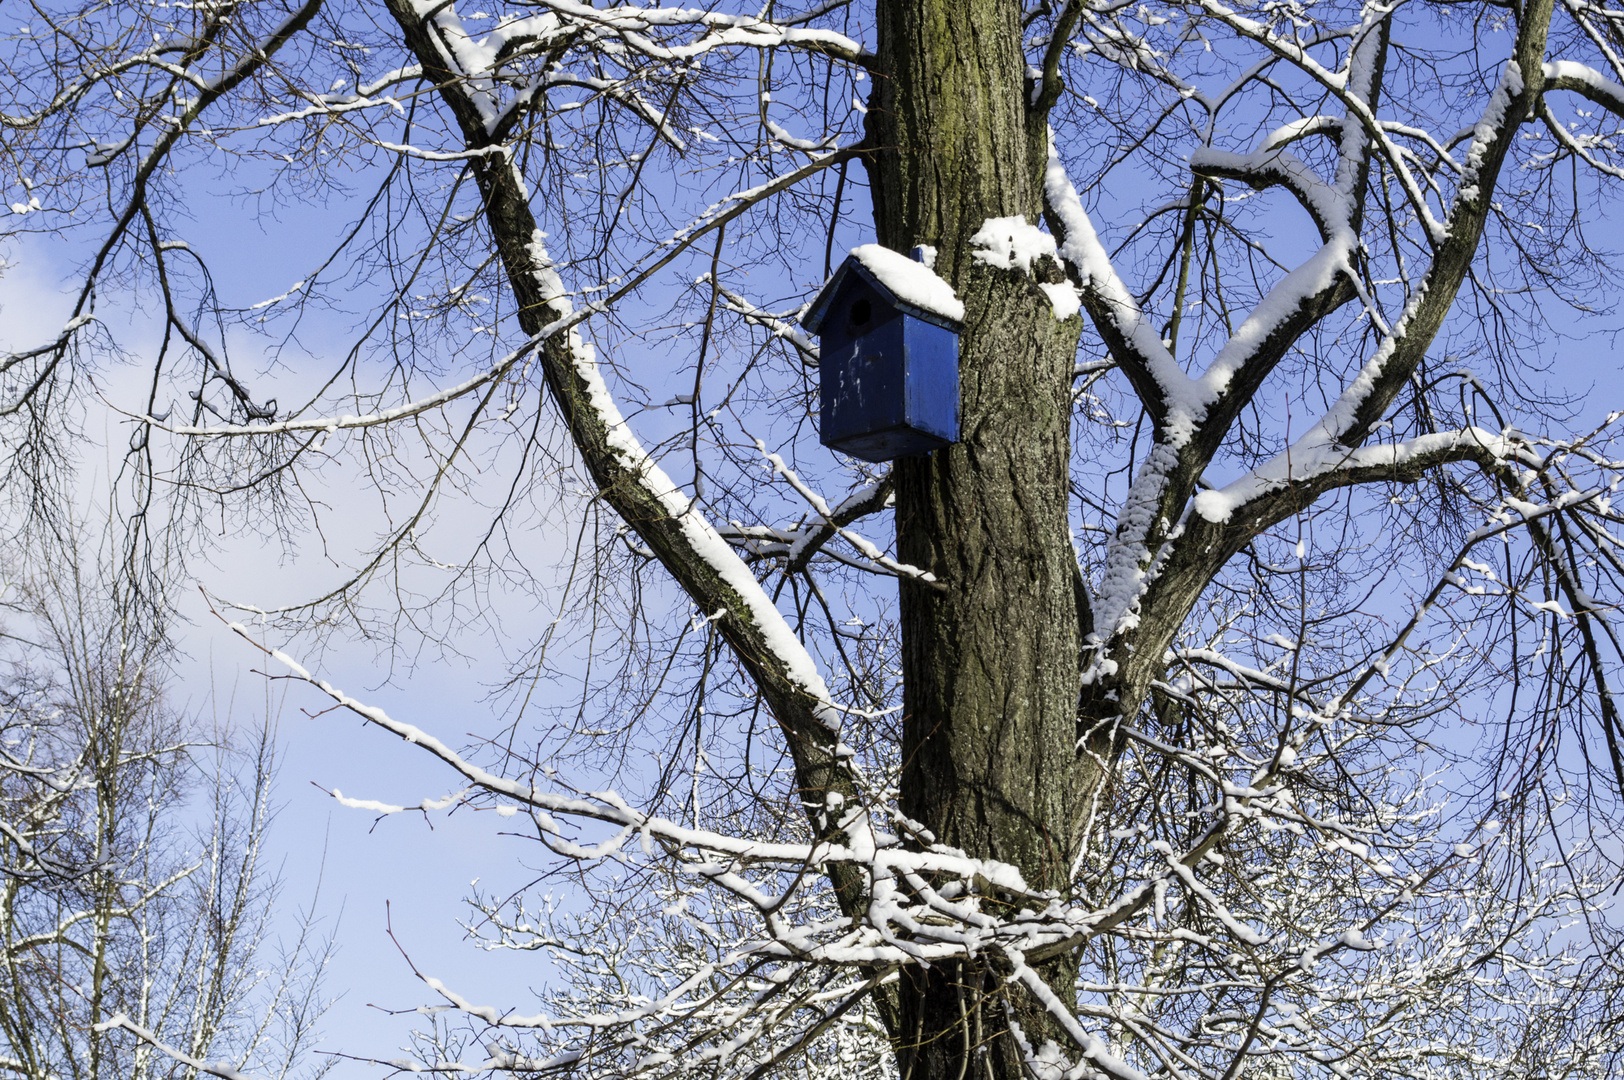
pixel 132 892
pixel 1261 513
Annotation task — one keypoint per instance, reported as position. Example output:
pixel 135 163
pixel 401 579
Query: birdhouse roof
pixel 910 287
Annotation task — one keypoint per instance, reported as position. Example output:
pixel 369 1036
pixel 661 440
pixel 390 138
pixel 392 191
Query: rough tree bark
pixel 990 657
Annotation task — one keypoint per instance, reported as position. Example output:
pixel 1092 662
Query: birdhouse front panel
pixel 889 379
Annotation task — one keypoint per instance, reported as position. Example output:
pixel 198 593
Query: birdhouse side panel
pixel 931 359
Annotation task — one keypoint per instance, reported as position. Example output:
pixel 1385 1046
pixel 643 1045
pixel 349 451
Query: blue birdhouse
pixel 889 344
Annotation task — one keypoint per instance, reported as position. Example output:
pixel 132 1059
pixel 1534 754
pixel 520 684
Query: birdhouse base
pixel 877 446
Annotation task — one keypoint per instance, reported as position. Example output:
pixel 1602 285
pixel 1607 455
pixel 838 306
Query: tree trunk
pixel 990 658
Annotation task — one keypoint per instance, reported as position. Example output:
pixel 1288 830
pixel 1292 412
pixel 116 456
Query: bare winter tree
pixel 1231 699
pixel 132 893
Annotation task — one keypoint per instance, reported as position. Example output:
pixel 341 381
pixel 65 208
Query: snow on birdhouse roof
pixel 911 287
